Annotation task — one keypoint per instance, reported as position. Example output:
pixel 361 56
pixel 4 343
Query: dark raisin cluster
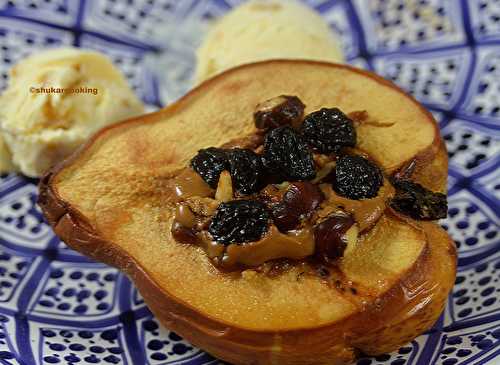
pixel 209 163
pixel 246 170
pixel 244 165
pixel 239 221
pixel 357 178
pixel 328 130
pixel 414 200
pixel 287 155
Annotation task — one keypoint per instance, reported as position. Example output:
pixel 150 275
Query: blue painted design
pixel 74 346
pixel 77 290
pixel 435 78
pixel 58 307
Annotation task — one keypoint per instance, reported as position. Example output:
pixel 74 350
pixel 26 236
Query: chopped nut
pixel 249 274
pixel 283 185
pixel 224 191
pixel 321 160
pixel 324 172
pixel 351 237
pixel 202 206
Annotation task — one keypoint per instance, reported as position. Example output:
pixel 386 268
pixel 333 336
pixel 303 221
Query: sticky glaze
pixel 295 245
pixel 366 212
pixel 188 183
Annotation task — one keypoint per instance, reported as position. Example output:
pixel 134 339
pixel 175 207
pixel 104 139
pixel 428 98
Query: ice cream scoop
pixel 54 101
pixel 266 29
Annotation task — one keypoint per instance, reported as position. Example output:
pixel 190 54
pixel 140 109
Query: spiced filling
pixel 295 189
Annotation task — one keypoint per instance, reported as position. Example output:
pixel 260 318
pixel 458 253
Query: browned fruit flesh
pixel 108 201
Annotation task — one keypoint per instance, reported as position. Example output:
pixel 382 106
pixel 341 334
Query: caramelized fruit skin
pixel 286 154
pixel 328 130
pixel 209 163
pixel 418 202
pixel 357 178
pixel 239 221
pixel 231 340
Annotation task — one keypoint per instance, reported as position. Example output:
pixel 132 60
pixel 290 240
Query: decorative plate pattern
pixel 58 307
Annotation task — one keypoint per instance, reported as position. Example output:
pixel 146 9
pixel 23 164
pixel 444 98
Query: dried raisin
pixel 418 202
pixel 239 221
pixel 357 178
pixel 209 163
pixel 328 130
pixel 246 170
pixel 287 155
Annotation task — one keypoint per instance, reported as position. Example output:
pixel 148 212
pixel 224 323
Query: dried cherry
pixel 298 202
pixel 330 237
pixel 278 111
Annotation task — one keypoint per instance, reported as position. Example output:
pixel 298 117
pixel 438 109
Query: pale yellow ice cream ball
pixel 260 30
pixel 40 128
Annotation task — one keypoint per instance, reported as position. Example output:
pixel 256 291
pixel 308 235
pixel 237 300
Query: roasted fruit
pixel 278 111
pixel 328 130
pixel 287 155
pixel 246 170
pixel 298 202
pixel 254 318
pixel 414 200
pixel 239 221
pixel 209 163
pixel 330 236
pixel 357 178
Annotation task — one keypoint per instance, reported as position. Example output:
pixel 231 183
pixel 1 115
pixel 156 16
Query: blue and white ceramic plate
pixel 58 307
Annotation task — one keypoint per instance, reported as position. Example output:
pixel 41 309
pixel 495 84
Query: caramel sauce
pixel 196 204
pixel 184 216
pixel 293 245
pixel 188 183
pixel 213 249
pixel 194 194
pixel 274 245
pixel 366 212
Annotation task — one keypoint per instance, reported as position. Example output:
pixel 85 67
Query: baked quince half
pixel 283 212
